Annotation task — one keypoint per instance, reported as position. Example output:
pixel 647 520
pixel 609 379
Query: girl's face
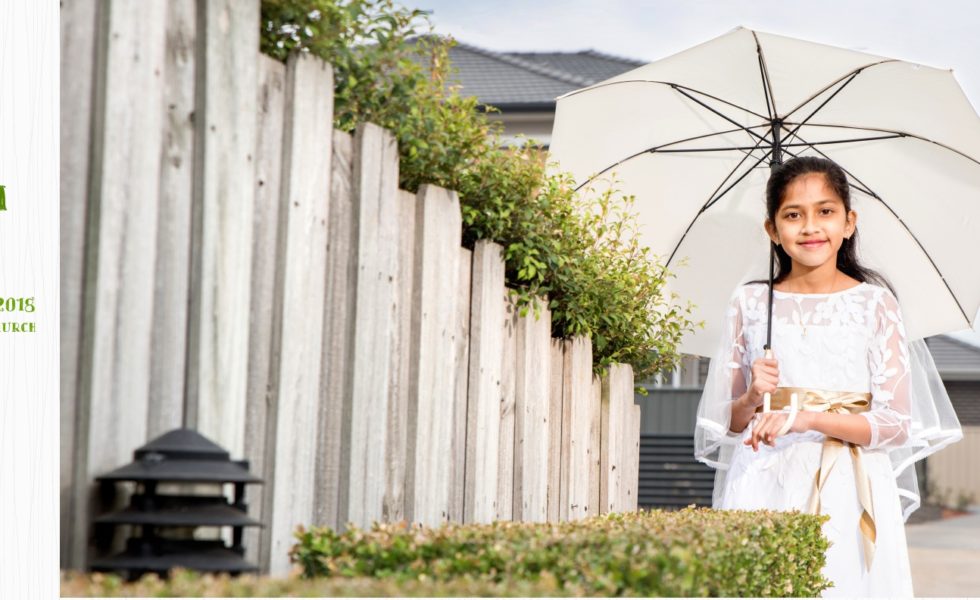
pixel 811 222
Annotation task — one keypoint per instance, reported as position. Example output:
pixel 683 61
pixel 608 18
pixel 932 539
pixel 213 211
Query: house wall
pixel 536 125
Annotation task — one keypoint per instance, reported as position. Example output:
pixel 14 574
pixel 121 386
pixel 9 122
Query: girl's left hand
pixel 766 426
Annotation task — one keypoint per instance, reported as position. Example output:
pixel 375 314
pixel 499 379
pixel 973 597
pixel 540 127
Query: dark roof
pixel 529 80
pixel 955 359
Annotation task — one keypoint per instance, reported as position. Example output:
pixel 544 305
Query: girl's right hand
pixel 765 378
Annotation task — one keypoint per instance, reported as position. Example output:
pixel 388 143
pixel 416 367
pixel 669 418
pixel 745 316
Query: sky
pixel 936 33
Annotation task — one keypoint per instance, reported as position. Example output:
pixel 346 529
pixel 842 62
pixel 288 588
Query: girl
pixel 871 402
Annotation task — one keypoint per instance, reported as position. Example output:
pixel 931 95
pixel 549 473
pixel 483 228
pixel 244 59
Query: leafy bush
pixel 581 251
pixel 692 552
pixel 188 584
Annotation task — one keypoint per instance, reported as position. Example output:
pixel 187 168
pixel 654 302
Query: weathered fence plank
pixel 115 354
pixel 532 415
pixel 78 78
pixel 631 464
pixel 508 397
pixel 617 398
pixel 595 446
pixel 375 206
pixel 438 230
pixel 301 267
pixel 555 437
pixel 578 408
pixel 333 454
pixel 461 343
pixel 483 404
pixel 259 411
pixel 565 448
pixel 399 397
pixel 169 337
pixel 221 251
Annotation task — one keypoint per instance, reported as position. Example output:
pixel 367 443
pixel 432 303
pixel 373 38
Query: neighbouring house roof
pixel 955 360
pixel 529 81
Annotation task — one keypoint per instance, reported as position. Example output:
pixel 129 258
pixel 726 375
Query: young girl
pixel 870 401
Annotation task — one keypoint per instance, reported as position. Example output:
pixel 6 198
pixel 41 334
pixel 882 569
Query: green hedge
pixel 187 584
pixel 692 552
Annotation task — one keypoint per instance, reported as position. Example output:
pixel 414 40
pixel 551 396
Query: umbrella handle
pixel 794 408
pixel 767 398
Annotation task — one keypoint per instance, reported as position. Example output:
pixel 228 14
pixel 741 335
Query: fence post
pixel 221 244
pixel 461 342
pixel 333 454
pixel 116 326
pixel 399 390
pixel 595 446
pixel 580 407
pixel 532 408
pixel 483 406
pixel 298 315
pixel 79 39
pixel 507 401
pixel 376 266
pixel 631 468
pixel 259 411
pixel 555 436
pixel 171 281
pixel 617 398
pixel 438 230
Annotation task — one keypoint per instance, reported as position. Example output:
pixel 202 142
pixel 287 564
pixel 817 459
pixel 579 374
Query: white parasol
pixel 693 137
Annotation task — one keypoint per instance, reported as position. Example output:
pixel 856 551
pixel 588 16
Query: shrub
pixel 188 584
pixel 579 250
pixel 692 552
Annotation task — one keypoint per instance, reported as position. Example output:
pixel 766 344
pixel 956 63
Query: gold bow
pixel 841 403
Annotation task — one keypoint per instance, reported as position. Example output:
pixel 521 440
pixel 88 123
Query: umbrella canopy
pixel 693 137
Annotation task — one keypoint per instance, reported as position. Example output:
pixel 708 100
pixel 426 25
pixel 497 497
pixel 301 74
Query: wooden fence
pixel 232 263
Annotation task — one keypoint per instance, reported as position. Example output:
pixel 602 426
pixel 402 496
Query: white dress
pixel 852 340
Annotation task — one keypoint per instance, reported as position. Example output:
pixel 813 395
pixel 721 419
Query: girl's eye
pixel 828 210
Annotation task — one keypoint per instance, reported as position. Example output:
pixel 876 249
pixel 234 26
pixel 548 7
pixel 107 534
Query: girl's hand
pixel 766 426
pixel 765 378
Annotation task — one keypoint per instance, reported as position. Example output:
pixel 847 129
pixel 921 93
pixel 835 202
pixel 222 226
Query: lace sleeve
pixel 888 359
pixel 738 362
pixel 727 374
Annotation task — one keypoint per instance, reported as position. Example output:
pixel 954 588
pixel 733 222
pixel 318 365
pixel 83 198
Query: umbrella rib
pixel 817 109
pixel 867 189
pixel 897 134
pixel 766 82
pixel 836 81
pixel 669 83
pixel 712 199
pixel 712 203
pixel 806 144
pixel 720 114
pixel 654 149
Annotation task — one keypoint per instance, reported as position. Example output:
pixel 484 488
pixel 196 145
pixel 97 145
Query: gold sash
pixel 841 403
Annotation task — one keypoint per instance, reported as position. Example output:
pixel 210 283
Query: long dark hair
pixel 847 259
